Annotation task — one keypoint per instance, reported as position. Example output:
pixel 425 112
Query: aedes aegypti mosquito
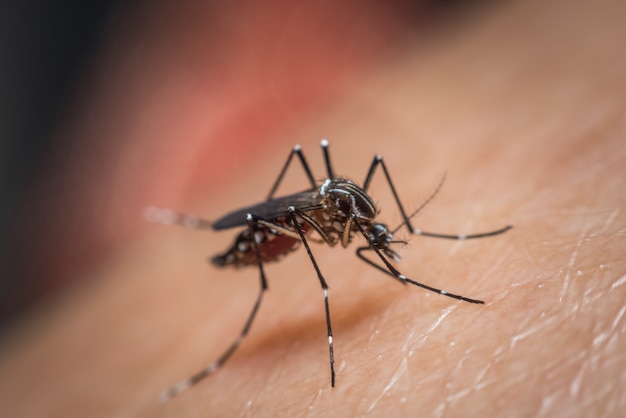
pixel 335 210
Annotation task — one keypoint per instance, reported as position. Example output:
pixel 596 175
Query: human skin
pixel 524 111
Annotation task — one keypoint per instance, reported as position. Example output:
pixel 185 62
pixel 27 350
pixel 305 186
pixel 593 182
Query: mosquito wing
pixel 271 209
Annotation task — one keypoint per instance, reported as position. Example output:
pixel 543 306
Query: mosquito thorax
pixel 344 197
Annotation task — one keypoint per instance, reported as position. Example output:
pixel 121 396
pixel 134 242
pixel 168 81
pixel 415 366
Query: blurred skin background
pixel 81 151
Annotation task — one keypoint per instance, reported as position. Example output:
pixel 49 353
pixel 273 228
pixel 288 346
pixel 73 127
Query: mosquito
pixel 332 212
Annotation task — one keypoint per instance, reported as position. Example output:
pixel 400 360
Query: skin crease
pixel 520 105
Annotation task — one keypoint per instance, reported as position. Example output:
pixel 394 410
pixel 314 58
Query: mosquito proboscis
pixel 333 211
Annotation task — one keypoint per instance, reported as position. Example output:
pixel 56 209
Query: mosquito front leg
pixel 216 365
pixel 378 161
pixel 393 272
pixel 292 212
pixel 461 236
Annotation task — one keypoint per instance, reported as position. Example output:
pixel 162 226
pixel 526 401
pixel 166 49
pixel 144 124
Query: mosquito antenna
pixel 427 201
pixel 329 167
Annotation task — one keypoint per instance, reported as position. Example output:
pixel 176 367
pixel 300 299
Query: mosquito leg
pixel 297 150
pixel 359 254
pixel 293 212
pixel 378 161
pixel 329 167
pixel 393 272
pixel 463 237
pixel 171 217
pixel 213 367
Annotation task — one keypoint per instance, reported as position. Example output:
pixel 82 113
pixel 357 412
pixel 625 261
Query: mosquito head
pixel 381 237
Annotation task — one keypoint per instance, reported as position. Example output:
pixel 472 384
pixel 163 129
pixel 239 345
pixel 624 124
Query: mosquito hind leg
pixel 163 216
pixel 216 365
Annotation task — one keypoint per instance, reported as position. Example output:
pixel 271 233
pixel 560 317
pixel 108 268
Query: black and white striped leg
pixel 378 161
pixel 296 150
pixel 293 212
pixel 461 237
pixel 393 272
pixel 216 365
pixel 329 167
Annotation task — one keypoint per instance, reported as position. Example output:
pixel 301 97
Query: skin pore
pixel 519 105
